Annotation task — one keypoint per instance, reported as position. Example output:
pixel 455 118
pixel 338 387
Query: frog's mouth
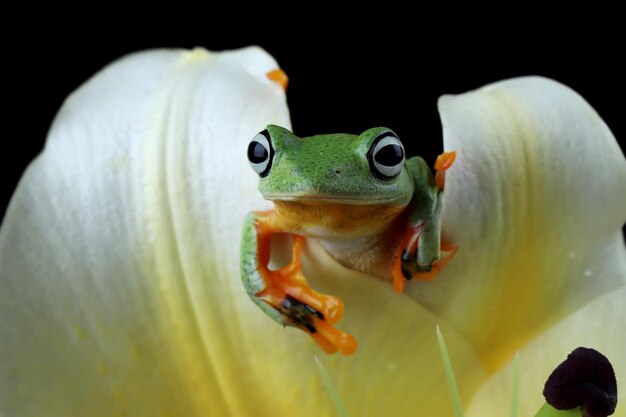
pixel 352 201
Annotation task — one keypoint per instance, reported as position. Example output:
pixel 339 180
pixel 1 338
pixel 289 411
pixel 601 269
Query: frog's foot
pixel 443 162
pixel 405 264
pixel 288 292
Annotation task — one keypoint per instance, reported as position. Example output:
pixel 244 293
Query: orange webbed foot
pixel 405 265
pixel 288 292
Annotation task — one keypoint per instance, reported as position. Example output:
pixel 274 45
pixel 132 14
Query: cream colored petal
pixel 119 263
pixel 397 369
pixel 535 203
pixel 99 299
pixel 599 325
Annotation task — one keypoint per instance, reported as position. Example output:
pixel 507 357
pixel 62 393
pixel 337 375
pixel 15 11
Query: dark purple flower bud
pixel 585 379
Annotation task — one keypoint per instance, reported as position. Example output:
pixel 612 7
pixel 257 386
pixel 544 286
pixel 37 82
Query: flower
pixel 119 256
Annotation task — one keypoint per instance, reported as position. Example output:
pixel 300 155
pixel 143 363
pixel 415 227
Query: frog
pixel 370 208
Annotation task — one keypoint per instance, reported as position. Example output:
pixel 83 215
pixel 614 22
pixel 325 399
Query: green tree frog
pixel 371 209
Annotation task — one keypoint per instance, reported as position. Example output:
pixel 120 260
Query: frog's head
pixel 337 168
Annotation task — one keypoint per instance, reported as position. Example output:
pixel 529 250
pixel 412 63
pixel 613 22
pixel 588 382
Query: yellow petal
pixel 535 203
pixel 599 325
pixel 119 262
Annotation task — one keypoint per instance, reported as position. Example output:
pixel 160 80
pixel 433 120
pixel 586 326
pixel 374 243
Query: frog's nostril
pixel 337 171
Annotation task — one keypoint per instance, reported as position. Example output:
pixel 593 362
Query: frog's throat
pixel 361 237
pixel 335 220
pixel 372 253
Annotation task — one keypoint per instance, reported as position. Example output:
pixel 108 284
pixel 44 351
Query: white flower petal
pixel 93 282
pixel 535 203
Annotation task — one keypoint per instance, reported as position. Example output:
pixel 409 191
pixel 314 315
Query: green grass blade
pixel 515 393
pixel 454 391
pixel 341 410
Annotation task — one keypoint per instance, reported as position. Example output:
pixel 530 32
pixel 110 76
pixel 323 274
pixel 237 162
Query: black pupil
pixel 257 152
pixel 389 155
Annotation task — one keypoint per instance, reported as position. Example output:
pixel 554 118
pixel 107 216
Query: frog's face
pixel 338 168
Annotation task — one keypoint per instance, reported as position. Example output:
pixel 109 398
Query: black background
pixel 342 78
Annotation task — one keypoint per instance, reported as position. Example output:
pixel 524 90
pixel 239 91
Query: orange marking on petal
pixel 279 76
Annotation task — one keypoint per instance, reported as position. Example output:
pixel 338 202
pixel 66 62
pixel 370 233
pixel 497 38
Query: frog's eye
pixel 260 153
pixel 386 156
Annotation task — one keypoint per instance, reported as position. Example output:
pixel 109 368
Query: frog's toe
pixel 330 308
pixel 316 313
pixel 443 163
pixel 331 339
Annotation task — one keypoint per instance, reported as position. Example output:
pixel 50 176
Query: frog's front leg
pixel 421 254
pixel 284 294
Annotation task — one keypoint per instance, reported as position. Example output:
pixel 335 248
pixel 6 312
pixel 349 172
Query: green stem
pixel 548 411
